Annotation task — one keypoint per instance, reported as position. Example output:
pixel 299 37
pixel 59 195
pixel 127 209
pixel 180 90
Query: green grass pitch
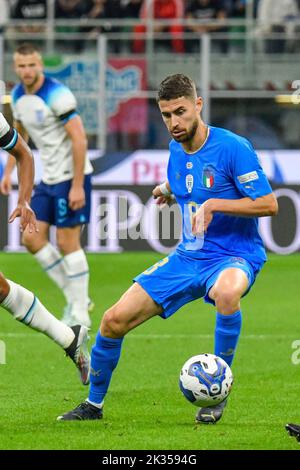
pixel 144 408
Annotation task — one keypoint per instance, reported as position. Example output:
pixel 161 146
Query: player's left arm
pixel 245 207
pixel 75 130
pixel 245 171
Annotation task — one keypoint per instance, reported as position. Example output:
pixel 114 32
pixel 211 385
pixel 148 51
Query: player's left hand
pixel 201 219
pixel 27 217
pixel 76 198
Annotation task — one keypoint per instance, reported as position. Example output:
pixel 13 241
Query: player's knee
pixel 65 245
pixel 227 301
pixel 62 244
pixel 4 287
pixel 27 241
pixel 112 326
pixel 31 243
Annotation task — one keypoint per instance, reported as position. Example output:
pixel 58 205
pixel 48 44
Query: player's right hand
pixel 27 217
pixel 5 185
pixel 161 199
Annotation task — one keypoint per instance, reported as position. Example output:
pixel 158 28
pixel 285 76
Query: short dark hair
pixel 175 86
pixel 27 48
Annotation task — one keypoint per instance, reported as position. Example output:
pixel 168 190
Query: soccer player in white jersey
pixel 17 300
pixel 45 110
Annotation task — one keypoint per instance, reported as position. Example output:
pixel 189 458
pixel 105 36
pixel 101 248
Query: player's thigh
pixel 68 239
pixel 134 307
pixel 35 241
pixel 231 283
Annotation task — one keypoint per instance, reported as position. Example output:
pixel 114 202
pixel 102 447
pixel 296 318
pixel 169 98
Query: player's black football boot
pixel 84 411
pixel 211 414
pixel 293 430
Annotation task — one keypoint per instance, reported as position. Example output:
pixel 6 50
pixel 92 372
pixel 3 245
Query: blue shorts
pixel 50 204
pixel 177 279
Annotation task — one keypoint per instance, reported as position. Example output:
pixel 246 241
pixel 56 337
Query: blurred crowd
pixel 271 16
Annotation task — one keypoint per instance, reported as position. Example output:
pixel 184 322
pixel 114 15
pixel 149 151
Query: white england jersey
pixel 8 135
pixel 43 115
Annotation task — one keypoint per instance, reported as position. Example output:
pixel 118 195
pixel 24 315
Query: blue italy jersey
pixel 226 167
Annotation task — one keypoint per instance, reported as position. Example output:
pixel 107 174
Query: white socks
pixel 53 263
pixel 97 405
pixel 26 308
pixel 76 290
pixel 71 274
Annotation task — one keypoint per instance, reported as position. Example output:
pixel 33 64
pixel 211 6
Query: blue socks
pixel 106 353
pixel 227 333
pixel 104 359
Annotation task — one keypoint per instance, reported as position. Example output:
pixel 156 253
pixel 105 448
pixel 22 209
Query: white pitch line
pixel 158 336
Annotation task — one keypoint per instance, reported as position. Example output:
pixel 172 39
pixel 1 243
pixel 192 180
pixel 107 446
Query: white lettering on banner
pixel 265 225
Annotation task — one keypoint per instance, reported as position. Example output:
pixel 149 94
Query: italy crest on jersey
pixel 208 177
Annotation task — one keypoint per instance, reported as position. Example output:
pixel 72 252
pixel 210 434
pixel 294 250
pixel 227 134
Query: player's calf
pixel 4 288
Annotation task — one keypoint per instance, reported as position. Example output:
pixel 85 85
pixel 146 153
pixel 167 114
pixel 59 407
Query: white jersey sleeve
pixel 63 103
pixel 8 135
pixel 4 126
pixel 15 112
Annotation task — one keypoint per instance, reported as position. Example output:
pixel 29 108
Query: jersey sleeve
pixel 15 112
pixel 247 172
pixel 63 103
pixel 8 135
pixel 16 93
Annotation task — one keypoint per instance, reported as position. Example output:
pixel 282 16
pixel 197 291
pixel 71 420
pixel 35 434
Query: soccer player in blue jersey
pixel 46 111
pixel 221 189
pixel 18 301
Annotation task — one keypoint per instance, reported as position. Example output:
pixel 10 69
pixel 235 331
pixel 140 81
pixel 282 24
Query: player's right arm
pixel 5 185
pixel 12 142
pixel 163 194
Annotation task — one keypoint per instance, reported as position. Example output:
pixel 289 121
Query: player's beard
pixel 33 82
pixel 188 135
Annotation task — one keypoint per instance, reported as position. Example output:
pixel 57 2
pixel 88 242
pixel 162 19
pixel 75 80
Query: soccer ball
pixel 205 380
